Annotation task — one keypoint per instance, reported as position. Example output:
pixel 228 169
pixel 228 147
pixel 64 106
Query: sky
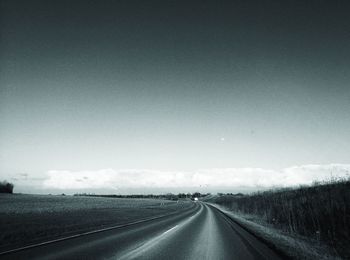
pixel 146 90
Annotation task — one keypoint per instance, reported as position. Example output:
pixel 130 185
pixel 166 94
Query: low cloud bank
pixel 207 178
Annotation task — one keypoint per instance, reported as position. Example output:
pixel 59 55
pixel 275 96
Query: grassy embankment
pixel 320 214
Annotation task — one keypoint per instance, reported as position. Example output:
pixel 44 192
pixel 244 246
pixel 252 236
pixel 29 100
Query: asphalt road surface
pixel 202 232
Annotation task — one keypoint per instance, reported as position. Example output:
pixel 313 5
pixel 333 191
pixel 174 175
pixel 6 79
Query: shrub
pixel 6 187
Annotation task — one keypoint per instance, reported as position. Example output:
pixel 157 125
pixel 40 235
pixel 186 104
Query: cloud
pixel 214 178
pixel 306 174
pixel 80 179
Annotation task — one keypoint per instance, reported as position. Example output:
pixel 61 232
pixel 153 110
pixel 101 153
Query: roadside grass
pixel 292 246
pixel 305 222
pixel 28 219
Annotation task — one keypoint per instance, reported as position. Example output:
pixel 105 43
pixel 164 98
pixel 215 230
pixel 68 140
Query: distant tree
pixel 196 195
pixel 170 196
pixel 6 187
pixel 181 195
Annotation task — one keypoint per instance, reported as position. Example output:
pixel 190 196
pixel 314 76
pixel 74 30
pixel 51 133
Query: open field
pixel 319 214
pixel 28 219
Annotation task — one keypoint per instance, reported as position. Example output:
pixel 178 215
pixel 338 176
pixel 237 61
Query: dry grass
pixel 292 246
pixel 320 213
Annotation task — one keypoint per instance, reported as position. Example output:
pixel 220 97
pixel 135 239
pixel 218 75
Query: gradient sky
pixel 173 85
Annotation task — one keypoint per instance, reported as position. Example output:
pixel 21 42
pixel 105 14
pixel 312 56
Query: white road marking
pixel 140 250
pixel 170 229
pixel 137 252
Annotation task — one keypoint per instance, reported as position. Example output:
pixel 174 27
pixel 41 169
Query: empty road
pixel 202 232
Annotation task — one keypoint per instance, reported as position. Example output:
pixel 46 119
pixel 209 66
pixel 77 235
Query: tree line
pixel 167 196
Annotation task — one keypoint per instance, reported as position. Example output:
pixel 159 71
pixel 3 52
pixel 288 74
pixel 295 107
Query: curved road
pixel 202 232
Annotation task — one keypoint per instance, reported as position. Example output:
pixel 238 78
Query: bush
pixel 6 187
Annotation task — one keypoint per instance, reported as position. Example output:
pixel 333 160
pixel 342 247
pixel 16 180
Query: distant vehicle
pixel 195 199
